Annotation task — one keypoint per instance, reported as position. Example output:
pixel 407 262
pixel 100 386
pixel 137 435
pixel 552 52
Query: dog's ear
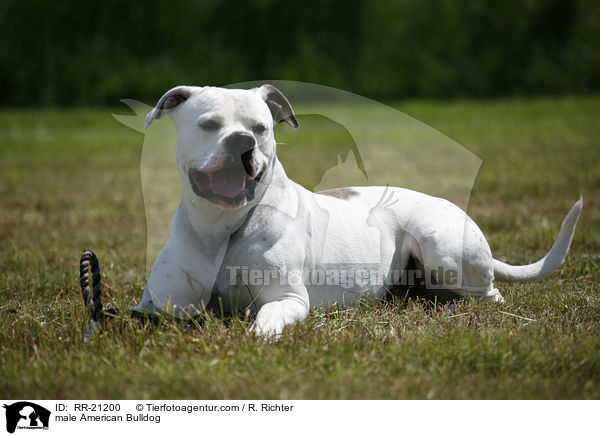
pixel 280 107
pixel 169 101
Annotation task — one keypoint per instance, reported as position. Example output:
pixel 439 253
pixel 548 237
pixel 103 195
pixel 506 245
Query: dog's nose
pixel 240 142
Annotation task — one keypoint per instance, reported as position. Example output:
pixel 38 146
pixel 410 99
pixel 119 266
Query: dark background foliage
pixel 64 52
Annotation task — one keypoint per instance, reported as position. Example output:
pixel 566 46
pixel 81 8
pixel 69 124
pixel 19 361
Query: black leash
pixel 89 265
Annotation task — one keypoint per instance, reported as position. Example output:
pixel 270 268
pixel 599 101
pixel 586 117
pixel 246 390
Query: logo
pixel 26 415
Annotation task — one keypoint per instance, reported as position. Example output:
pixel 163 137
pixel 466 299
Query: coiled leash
pixel 88 264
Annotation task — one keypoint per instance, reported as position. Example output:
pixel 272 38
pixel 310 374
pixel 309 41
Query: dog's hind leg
pixel 463 265
pixel 487 293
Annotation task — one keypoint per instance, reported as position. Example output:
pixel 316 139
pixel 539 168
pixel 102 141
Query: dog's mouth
pixel 227 183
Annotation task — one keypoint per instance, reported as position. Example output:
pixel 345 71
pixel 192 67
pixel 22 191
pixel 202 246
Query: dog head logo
pixel 26 415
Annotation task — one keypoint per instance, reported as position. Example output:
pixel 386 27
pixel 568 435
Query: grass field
pixel 71 180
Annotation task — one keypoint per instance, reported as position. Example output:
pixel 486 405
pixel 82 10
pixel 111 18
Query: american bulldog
pixel 248 234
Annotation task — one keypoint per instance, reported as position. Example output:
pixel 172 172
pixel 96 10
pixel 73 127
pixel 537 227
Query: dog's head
pixel 225 142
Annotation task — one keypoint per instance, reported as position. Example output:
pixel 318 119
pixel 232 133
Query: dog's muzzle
pixel 228 180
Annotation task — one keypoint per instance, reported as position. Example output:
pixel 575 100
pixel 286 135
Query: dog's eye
pixel 210 125
pixel 259 129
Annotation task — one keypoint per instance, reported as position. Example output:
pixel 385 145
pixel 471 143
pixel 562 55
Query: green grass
pixel 71 180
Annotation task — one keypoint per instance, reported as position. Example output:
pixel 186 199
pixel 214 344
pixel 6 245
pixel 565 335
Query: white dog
pixel 260 241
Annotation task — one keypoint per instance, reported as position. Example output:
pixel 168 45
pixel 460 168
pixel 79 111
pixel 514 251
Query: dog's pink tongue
pixel 228 182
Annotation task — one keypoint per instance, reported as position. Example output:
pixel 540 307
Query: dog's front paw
pixel 268 327
pixel 274 316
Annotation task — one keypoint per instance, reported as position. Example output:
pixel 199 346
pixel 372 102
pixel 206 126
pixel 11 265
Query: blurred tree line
pixel 82 52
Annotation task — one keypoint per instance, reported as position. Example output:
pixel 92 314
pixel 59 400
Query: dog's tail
pixel 551 261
